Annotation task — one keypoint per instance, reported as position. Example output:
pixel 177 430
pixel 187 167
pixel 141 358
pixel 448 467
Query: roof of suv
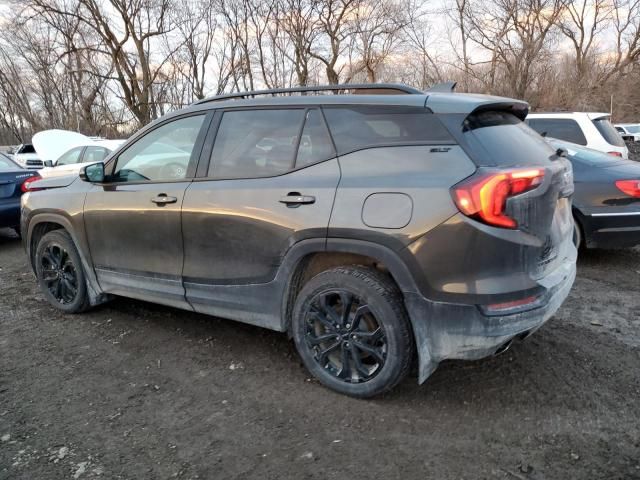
pixel 589 115
pixel 436 99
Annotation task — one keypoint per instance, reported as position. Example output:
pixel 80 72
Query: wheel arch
pixel 42 223
pixel 306 259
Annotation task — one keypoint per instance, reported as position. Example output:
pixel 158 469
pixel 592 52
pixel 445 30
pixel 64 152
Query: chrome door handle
pixel 162 199
pixel 295 200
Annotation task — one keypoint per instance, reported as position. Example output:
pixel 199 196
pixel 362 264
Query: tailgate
pixel 545 214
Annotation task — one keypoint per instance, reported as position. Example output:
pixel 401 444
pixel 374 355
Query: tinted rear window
pixel 608 132
pixel 27 149
pixel 561 128
pixel 355 128
pixel 502 139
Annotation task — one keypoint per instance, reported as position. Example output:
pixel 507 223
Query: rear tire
pixel 352 332
pixel 60 273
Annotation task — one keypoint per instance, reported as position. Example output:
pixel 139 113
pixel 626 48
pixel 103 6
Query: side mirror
pixel 48 163
pixel 93 173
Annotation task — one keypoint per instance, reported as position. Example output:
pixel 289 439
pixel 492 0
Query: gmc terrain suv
pixel 371 225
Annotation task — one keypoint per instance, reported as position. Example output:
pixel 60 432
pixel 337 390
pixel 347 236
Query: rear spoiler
pixel 469 103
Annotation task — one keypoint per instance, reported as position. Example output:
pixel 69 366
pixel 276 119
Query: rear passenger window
pixel 561 128
pixel 355 128
pixel 256 143
pixel 315 143
pixel 95 154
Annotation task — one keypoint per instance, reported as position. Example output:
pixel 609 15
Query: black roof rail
pixel 443 87
pixel 371 88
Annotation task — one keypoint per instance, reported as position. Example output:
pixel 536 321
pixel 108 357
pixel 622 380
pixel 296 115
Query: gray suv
pixel 375 225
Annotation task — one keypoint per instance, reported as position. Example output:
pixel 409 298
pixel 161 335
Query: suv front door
pixel 270 183
pixel 133 221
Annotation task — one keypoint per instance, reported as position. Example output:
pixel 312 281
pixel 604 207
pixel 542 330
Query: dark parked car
pixel 367 226
pixel 14 181
pixel 606 203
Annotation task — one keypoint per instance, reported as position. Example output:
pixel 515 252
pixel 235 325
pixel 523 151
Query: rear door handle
pixel 293 200
pixel 162 199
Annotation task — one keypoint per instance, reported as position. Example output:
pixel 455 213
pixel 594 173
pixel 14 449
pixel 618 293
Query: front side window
pixel 95 154
pixel 161 155
pixel 70 157
pixel 561 128
pixel 256 143
pixel 355 128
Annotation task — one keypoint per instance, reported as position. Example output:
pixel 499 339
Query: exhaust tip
pixel 503 348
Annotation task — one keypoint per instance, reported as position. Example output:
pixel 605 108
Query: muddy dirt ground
pixel 136 391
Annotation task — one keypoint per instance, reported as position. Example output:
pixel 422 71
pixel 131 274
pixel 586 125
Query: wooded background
pixel 107 67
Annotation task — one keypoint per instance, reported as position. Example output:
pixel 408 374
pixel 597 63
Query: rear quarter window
pixel 502 139
pixel 360 127
pixel 561 128
pixel 609 133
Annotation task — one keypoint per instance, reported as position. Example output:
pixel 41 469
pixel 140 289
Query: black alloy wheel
pixel 352 331
pixel 345 336
pixel 59 274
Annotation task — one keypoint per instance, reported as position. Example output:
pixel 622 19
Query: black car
pixel 606 202
pixel 14 181
pixel 369 224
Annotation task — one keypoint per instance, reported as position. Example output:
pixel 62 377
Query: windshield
pixel 7 165
pixel 610 134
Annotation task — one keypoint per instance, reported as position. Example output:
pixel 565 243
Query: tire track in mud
pixel 142 391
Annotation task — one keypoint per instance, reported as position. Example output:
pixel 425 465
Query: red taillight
pixel 484 195
pixel 630 187
pixel 26 185
pixel 497 307
pixel 615 154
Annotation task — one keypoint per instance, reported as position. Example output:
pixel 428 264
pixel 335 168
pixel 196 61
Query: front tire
pixel 352 331
pixel 60 273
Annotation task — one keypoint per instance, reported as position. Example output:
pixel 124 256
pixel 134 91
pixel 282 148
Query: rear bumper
pixel 611 230
pixel 456 331
pixel 10 213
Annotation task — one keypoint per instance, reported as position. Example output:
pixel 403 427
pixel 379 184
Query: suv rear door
pixel 270 182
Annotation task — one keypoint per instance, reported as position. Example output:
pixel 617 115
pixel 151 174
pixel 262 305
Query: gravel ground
pixel 136 391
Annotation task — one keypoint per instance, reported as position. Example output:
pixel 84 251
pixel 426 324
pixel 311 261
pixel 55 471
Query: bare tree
pixel 517 34
pixel 335 26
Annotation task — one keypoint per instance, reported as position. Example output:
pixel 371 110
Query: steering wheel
pixel 173 170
